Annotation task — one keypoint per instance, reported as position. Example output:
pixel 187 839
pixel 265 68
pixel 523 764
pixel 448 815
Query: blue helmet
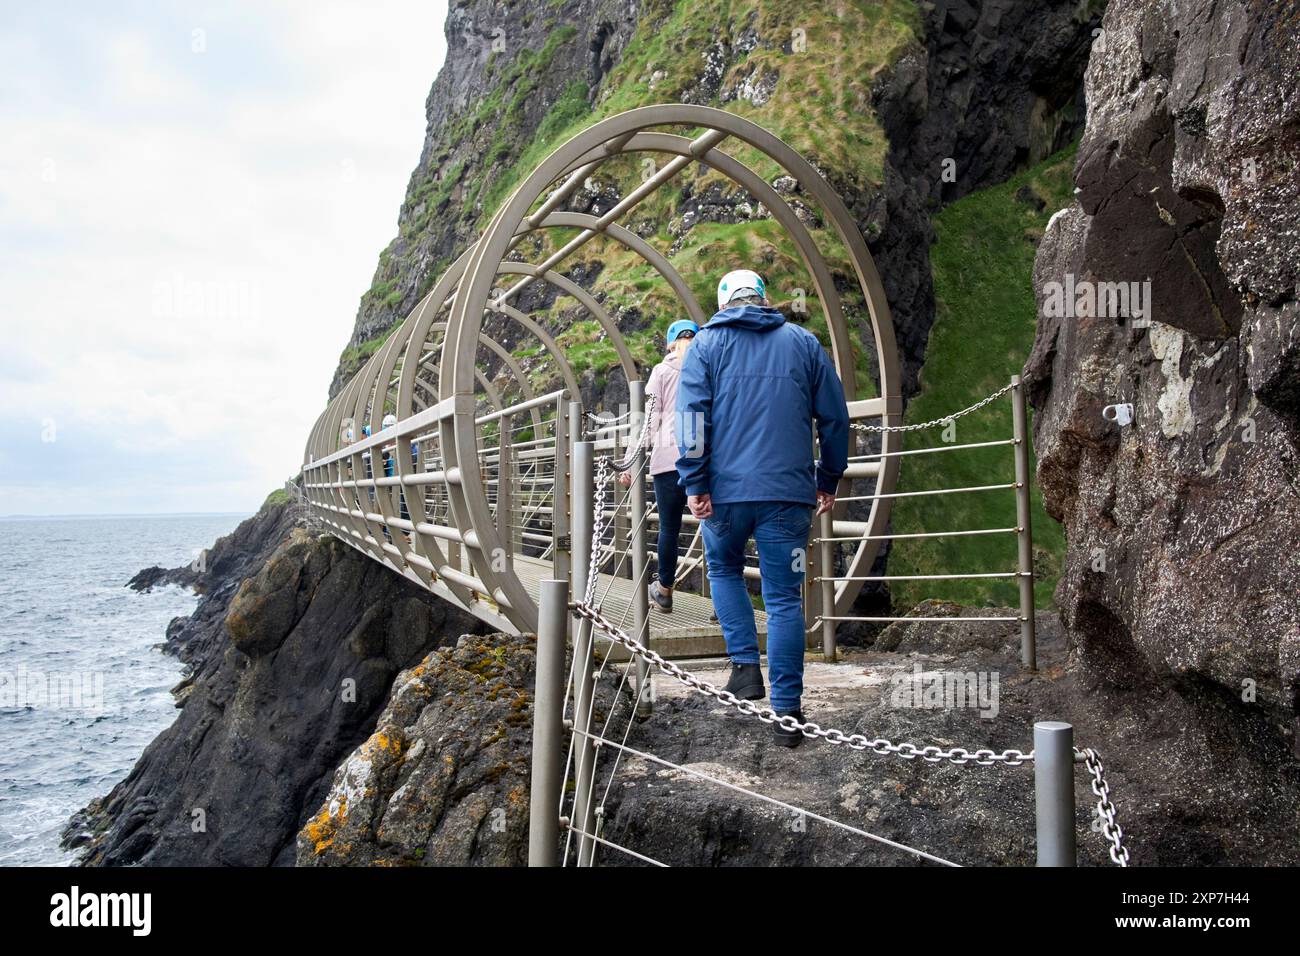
pixel 679 327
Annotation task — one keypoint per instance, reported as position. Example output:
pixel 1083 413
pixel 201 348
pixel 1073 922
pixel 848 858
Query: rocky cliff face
pixel 1183 527
pixel 995 87
pixel 444 778
pixel 291 651
pixel 509 70
pixel 902 108
pixel 998 88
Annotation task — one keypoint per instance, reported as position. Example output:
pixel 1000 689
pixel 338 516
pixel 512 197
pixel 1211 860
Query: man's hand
pixel 825 502
pixel 625 479
pixel 701 506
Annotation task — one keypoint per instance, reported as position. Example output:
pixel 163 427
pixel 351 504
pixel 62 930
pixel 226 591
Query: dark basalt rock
pixel 1195 780
pixel 995 89
pixel 152 577
pixel 994 86
pixel 268 605
pixel 291 652
pixel 444 778
pixel 1183 528
pixel 218 575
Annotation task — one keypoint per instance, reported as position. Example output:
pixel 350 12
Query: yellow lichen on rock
pixel 321 828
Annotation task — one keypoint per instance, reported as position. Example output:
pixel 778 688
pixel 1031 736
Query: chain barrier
pixel 603 420
pixel 908 751
pixel 1105 809
pixel 606 468
pixel 938 421
pixel 960 756
pixel 604 474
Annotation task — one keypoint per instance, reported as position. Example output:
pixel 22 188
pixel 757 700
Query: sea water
pixel 83 685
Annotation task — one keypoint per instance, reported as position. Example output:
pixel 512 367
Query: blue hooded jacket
pixel 750 388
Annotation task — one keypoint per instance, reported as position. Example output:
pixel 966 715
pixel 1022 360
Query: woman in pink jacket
pixel 669 495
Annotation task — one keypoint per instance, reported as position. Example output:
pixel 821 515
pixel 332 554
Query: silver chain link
pixel 643 439
pixel 938 421
pixel 984 757
pixel 604 473
pixel 1105 809
pixel 908 751
pixel 603 420
pixel 605 468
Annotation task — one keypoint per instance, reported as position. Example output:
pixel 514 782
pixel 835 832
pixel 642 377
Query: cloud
pixel 192 200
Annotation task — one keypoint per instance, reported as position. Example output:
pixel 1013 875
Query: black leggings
pixel 671 499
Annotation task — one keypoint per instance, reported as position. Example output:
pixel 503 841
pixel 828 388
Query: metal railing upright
pixel 1053 756
pixel 1023 575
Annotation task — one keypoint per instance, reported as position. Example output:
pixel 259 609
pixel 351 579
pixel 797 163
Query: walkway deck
pixel 686 632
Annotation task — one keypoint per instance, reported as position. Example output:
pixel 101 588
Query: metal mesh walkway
pixel 686 632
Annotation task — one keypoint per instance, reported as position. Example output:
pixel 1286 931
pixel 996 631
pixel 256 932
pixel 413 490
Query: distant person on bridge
pixel 389 452
pixel 670 496
pixel 365 457
pixel 750 389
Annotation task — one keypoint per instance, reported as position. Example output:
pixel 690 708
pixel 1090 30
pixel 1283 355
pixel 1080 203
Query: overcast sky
pixel 193 197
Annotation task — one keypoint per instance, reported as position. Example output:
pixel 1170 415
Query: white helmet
pixel 389 421
pixel 740 282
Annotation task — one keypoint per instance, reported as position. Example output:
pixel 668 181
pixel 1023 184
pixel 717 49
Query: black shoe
pixel 746 682
pixel 661 598
pixel 788 738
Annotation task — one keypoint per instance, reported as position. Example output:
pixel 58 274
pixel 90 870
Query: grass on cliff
pixel 280 496
pixel 984 328
pixel 355 356
pixel 824 57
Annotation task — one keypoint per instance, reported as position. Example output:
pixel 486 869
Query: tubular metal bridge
pixel 483 486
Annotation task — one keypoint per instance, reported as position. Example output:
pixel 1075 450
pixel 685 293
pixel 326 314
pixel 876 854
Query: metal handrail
pixel 548 399
pixel 933 449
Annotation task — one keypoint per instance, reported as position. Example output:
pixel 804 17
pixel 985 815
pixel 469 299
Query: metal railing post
pixel 1054 792
pixel 827 549
pixel 505 491
pixel 584 810
pixel 640 561
pixel 621 521
pixel 548 724
pixel 1024 536
pixel 566 415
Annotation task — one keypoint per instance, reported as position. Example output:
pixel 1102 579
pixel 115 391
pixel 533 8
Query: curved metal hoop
pixel 469 291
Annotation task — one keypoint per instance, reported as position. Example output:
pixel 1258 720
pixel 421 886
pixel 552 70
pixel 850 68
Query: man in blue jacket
pixel 750 389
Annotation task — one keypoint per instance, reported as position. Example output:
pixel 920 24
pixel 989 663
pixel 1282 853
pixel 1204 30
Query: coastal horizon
pixel 126 514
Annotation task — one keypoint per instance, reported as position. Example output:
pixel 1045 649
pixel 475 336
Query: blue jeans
pixel 780 529
pixel 670 497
